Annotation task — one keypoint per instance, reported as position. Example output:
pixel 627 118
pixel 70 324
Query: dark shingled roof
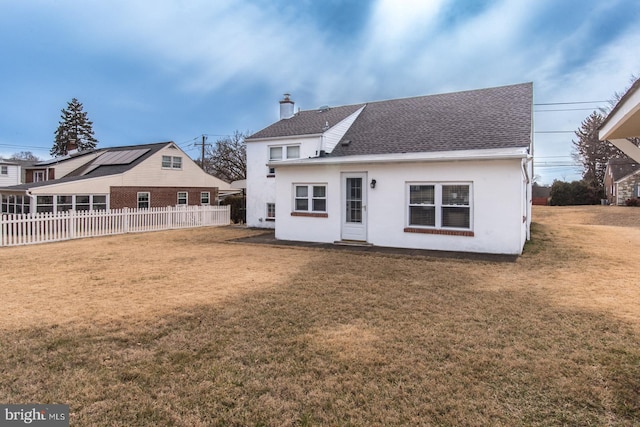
pixel 621 167
pixel 102 170
pixel 477 119
pixel 307 122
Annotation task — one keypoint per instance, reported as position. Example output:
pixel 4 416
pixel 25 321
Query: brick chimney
pixel 72 146
pixel 286 107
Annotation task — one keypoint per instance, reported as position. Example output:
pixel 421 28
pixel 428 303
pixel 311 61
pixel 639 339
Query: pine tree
pixel 75 131
pixel 592 153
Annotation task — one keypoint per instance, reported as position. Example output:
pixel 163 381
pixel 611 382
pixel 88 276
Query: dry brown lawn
pixel 188 328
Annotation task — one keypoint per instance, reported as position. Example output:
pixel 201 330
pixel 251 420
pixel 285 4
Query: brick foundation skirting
pixel 441 232
pixel 310 214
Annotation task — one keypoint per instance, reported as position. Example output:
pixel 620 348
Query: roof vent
pixel 345 142
pixel 324 108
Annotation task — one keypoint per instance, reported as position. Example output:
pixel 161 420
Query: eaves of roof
pixel 634 87
pixel 439 156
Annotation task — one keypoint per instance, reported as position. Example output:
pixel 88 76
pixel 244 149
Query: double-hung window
pixel 439 205
pixel 183 198
pixel 310 198
pixel 171 162
pixel 283 152
pixel 205 197
pixel 4 170
pixel 271 211
pixel 144 200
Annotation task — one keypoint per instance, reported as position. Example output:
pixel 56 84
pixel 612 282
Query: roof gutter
pixel 280 138
pixel 442 156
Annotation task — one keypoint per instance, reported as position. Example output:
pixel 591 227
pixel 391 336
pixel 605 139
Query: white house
pixel 445 172
pixel 10 172
pixel 137 176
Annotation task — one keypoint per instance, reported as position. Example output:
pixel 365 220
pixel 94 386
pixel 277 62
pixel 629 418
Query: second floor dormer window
pixel 284 152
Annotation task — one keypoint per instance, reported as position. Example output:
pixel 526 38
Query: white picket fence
pixel 25 229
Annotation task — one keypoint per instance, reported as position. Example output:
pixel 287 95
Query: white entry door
pixel 354 206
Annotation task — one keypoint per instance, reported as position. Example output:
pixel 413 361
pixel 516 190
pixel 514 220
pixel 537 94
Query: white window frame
pixel 439 205
pixel 286 153
pixel 38 176
pixel 148 201
pixel 171 162
pixel 4 170
pixel 270 205
pixel 310 197
pixel 184 196
pixel 205 195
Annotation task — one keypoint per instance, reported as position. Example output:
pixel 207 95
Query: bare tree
pixel 227 158
pixel 25 155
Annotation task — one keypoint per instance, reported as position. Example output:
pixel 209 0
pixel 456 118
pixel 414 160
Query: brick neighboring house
pixel 540 194
pixel 622 180
pixel 137 176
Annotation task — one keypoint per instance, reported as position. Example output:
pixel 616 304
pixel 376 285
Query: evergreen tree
pixel 75 131
pixel 592 153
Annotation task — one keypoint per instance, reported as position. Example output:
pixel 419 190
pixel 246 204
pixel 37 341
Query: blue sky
pixel 149 71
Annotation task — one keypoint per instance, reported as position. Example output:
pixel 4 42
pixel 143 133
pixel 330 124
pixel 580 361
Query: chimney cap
pixel 286 99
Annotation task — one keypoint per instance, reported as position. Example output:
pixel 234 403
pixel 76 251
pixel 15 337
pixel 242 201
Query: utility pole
pixel 204 139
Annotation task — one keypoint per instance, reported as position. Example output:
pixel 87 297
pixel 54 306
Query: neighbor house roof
pixel 111 161
pixel 622 167
pixel 635 87
pixel 477 119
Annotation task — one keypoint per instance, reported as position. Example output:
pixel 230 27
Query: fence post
pixel 72 224
pixel 125 220
pixel 2 229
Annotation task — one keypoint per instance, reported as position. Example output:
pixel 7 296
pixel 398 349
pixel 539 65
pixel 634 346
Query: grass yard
pixel 186 328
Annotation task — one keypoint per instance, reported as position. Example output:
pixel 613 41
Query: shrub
pixel 632 202
pixel 574 193
pixel 238 210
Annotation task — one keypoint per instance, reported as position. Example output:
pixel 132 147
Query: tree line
pixel 593 155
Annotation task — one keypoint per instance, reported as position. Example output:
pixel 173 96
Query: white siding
pixel 12 177
pixel 63 168
pixel 151 173
pixel 262 189
pixel 498 209
pixel 334 135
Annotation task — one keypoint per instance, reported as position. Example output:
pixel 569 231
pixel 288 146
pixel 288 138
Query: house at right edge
pixel 448 172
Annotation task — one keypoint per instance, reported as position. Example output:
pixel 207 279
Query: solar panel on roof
pixel 122 157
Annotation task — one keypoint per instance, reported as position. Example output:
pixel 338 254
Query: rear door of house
pixel 354 206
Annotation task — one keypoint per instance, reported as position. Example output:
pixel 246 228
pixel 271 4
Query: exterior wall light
pixel 373 183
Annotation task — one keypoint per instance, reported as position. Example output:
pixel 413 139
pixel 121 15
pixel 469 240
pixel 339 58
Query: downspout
pixel 528 195
pixel 32 207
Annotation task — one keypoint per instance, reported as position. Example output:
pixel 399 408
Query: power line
pixel 554 131
pixel 565 109
pixel 571 103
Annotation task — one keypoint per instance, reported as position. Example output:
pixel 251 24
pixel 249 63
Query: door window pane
pixel 354 200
